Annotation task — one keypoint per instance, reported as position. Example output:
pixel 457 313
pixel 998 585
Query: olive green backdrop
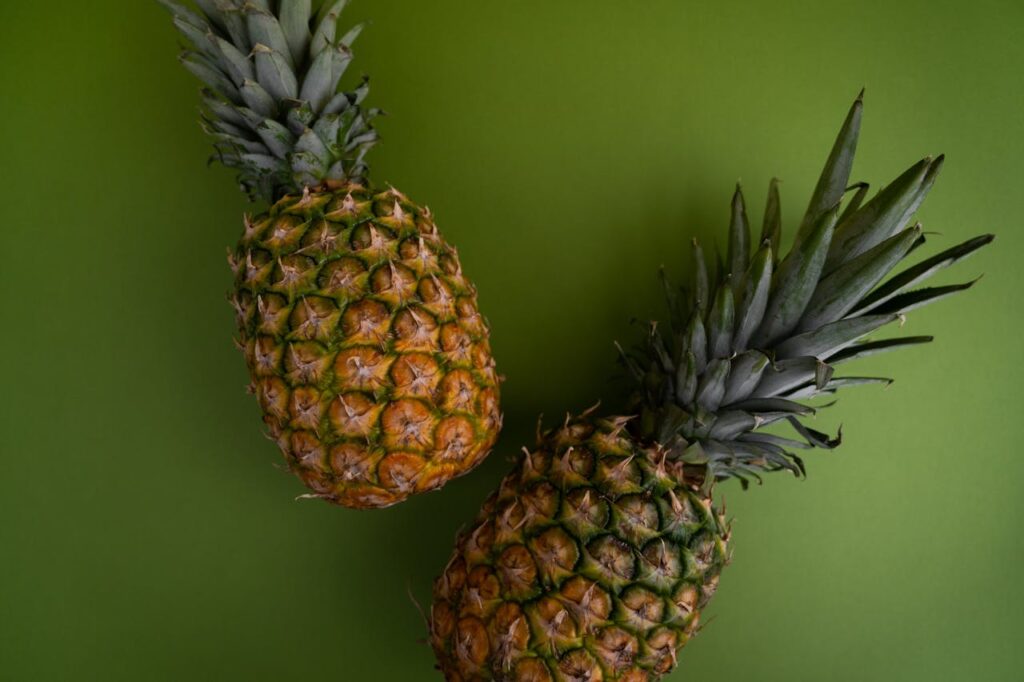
pixel 568 148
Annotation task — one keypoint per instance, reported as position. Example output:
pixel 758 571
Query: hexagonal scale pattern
pixel 367 350
pixel 590 563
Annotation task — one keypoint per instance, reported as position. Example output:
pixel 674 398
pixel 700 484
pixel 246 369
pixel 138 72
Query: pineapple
pixel 362 335
pixel 591 562
pixel 594 558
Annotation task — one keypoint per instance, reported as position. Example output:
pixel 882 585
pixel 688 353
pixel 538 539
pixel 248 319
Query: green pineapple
pixel 594 558
pixel 367 351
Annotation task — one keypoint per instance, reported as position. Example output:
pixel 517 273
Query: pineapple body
pixel 590 563
pixel 367 352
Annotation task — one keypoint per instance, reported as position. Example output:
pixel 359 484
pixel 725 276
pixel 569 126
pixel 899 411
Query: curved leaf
pixel 921 272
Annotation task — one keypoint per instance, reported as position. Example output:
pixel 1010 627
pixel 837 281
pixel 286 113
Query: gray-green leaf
pixel 755 297
pixel 836 174
pixel 840 291
pixel 877 220
pixel 265 29
pixel 922 271
pixel 295 25
pixel 771 230
pixel 721 321
pixel 747 369
pixel 795 281
pixel 274 74
pixel 831 338
pixel 739 240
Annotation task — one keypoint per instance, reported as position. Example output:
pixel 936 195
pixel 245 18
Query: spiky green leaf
pixel 739 240
pixel 711 388
pixel 817 438
pixel 295 26
pixel 840 292
pixel 863 350
pixel 919 298
pixel 274 74
pixel 696 340
pixel 920 272
pixel 258 99
pixel 855 202
pixel 319 81
pixel 755 297
pixel 836 174
pixel 327 26
pixel 211 75
pixel 773 405
pixel 796 279
pixel 721 322
pixel 831 338
pixel 180 11
pixel 686 380
pixel 278 139
pixel 877 220
pixel 745 375
pixel 265 29
pixel 771 230
pixel 731 423
pixel 700 279
pixel 235 63
pixel 787 374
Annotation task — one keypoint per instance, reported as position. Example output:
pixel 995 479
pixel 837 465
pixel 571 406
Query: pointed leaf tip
pixel 836 174
pixel 739 239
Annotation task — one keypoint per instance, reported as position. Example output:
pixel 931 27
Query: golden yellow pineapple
pixel 367 351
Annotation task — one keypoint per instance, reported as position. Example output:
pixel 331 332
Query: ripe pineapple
pixel 597 553
pixel 591 562
pixel 362 335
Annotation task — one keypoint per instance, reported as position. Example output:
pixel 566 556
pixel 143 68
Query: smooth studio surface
pixel 568 149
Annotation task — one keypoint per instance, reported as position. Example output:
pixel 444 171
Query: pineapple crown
pixel 272 71
pixel 744 349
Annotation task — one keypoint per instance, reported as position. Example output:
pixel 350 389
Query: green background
pixel 568 148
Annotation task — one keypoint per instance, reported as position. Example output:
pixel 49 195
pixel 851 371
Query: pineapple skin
pixel 590 563
pixel 366 349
